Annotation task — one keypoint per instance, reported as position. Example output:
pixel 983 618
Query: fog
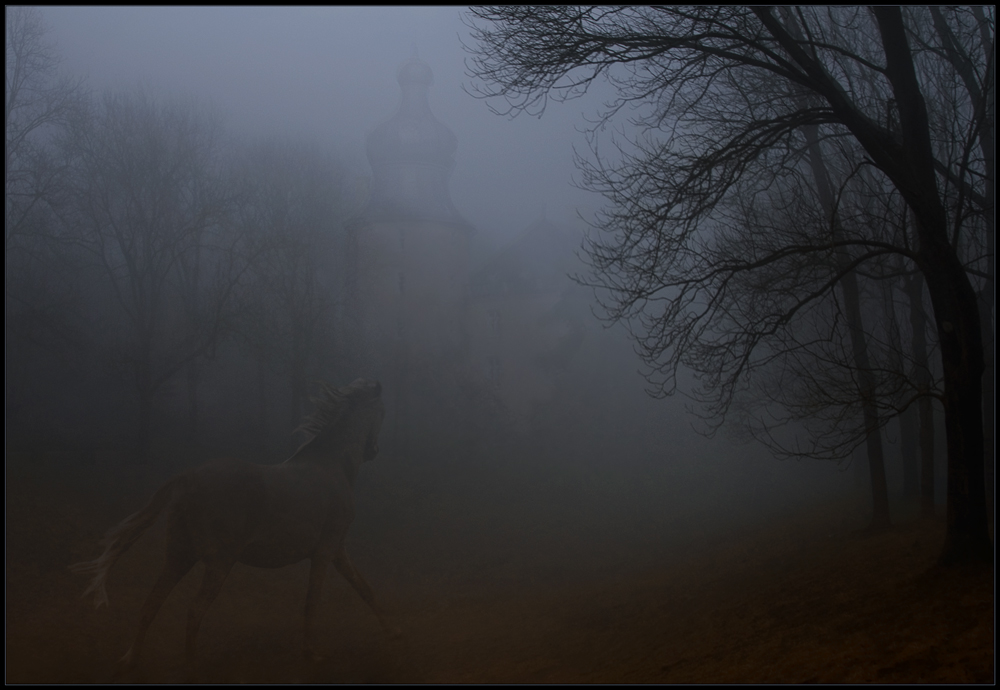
pixel 557 460
pixel 329 75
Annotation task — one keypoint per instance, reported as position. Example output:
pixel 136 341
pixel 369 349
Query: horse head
pixel 346 422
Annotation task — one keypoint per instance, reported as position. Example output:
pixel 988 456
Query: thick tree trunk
pixel 987 296
pixel 956 309
pixel 956 313
pixel 989 396
pixel 985 104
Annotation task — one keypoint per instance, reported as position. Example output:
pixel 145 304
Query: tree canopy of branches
pixel 148 209
pixel 37 103
pixel 724 100
pixel 36 100
pixel 140 241
pixel 293 206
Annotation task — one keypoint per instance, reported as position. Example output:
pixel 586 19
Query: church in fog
pixel 432 327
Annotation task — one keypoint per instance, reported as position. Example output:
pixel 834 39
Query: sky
pixel 328 74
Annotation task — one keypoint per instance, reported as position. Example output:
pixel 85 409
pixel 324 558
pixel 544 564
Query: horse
pixel 267 516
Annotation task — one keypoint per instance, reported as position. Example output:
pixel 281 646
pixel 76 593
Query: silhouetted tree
pixel 718 95
pixel 966 39
pixel 36 103
pixel 293 207
pixel 38 280
pixel 148 209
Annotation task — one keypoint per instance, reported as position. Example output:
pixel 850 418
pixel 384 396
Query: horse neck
pixel 333 448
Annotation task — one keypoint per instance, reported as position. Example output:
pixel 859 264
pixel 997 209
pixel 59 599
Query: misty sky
pixel 329 74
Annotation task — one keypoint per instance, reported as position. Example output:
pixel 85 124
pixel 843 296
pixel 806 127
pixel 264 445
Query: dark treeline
pixel 149 258
pixel 801 213
pixel 171 287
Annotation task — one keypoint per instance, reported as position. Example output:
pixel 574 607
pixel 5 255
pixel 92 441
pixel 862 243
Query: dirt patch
pixel 483 597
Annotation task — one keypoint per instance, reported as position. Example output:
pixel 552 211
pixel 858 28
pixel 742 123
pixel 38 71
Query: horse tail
pixel 118 540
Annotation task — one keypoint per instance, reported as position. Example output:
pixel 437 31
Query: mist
pixel 520 449
pixel 326 77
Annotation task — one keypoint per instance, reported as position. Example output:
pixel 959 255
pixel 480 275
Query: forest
pixel 794 247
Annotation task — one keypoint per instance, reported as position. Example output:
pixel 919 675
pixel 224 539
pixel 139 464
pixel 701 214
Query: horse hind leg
pixel 344 566
pixel 216 571
pixel 177 565
pixel 317 575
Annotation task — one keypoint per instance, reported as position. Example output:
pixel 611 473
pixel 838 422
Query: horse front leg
pixel 179 562
pixel 317 574
pixel 216 571
pixel 344 566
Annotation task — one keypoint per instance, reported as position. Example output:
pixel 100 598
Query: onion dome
pixel 412 155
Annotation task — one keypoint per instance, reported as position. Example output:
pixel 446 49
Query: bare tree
pixel 294 206
pixel 36 102
pixel 701 82
pixel 148 208
pixel 959 32
pixel 39 295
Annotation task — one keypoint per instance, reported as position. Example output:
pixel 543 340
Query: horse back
pixel 262 515
pixel 218 507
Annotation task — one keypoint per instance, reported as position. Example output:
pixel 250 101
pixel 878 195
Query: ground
pixel 494 591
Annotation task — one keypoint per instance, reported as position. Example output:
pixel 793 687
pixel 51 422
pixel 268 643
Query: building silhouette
pixel 409 249
pixel 441 339
pixel 527 318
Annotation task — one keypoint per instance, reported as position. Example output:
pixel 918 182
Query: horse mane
pixel 335 405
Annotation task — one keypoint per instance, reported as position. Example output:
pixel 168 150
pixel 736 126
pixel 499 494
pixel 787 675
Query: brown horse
pixel 267 516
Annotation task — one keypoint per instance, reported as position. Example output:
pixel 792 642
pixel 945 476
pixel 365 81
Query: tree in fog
pixel 148 210
pixel 38 288
pixel 838 367
pixel 36 103
pixel 721 97
pixel 916 421
pixel 292 209
pixel 965 37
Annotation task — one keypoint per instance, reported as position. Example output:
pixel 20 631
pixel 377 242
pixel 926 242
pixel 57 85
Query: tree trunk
pixel 859 345
pixel 262 402
pixel 956 308
pixel 926 410
pixel 143 428
pixel 989 393
pixel 909 429
pixel 914 286
pixel 985 104
pixel 297 381
pixel 956 312
pixel 987 296
pixel 909 432
pixel 193 377
pixel 144 394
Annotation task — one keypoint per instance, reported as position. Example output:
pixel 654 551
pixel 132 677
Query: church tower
pixel 409 253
